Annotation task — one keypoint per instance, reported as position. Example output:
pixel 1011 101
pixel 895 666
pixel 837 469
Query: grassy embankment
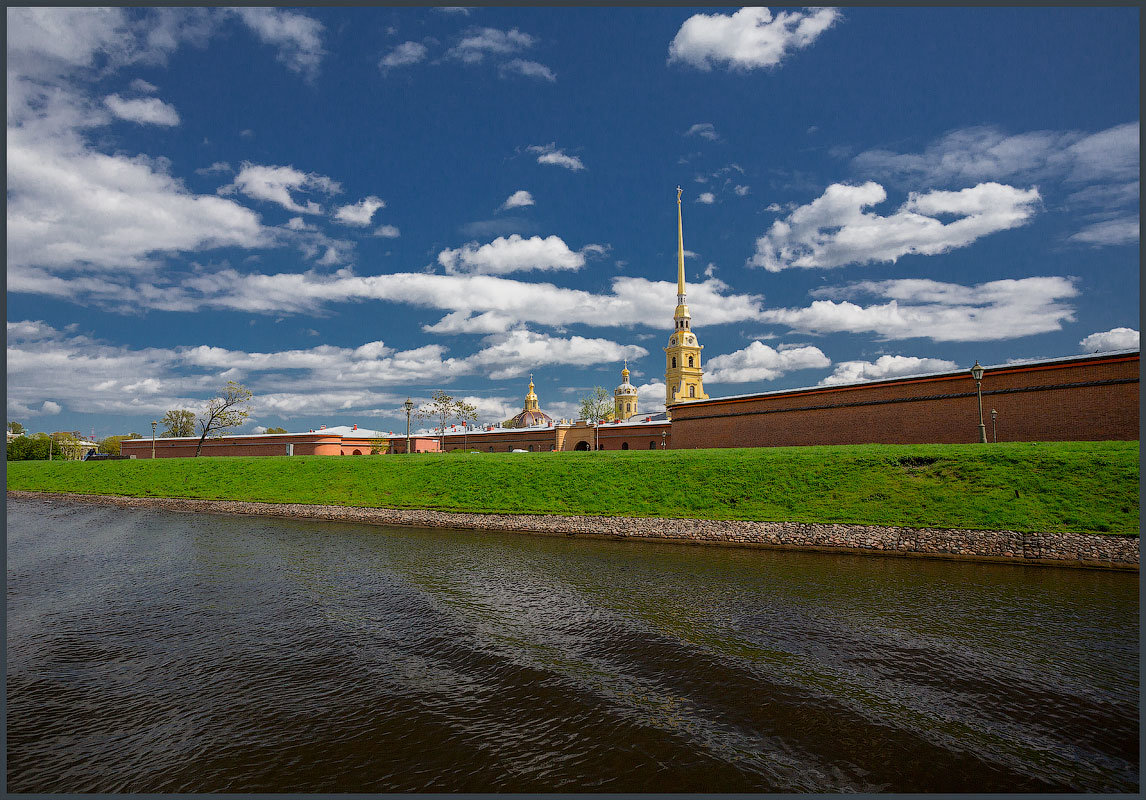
pixel 1074 486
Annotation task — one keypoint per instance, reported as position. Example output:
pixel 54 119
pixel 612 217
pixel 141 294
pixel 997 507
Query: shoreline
pixel 1042 549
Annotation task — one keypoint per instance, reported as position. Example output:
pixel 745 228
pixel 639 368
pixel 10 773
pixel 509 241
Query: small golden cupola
pixel 683 375
pixel 531 414
pixel 625 397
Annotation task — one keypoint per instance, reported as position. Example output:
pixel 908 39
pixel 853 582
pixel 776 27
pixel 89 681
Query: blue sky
pixel 343 207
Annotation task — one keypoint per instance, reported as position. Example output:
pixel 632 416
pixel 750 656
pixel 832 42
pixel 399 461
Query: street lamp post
pixel 994 430
pixel 153 426
pixel 409 406
pixel 664 438
pixel 977 374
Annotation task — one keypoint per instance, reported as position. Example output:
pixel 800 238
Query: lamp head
pixel 977 371
pixel 408 405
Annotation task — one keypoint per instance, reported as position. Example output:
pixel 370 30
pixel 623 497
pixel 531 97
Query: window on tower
pixel 674 362
pixel 692 391
pixel 690 361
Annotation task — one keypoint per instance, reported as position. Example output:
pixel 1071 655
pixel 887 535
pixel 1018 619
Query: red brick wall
pixel 273 445
pixel 1090 399
pixel 613 437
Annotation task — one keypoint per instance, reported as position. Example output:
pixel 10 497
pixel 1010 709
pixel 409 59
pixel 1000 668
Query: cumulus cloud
pixel 387 232
pixel 1113 339
pixel 759 362
pixel 549 154
pixel 751 38
pixel 75 369
pixel 275 184
pixel 885 367
pixel 528 69
pixel 359 213
pixel 942 312
pixel 708 198
pixel 480 42
pixel 705 130
pixel 72 207
pixel 215 168
pixel 513 254
pixel 297 37
pixel 518 199
pixel 834 230
pixel 404 55
pixel 146 111
pixel 140 85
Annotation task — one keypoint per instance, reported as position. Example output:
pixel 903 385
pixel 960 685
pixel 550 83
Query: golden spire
pixel 625 371
pixel 679 250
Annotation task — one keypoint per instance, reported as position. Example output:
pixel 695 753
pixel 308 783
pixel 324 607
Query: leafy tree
pixel 66 445
pixel 112 444
pixel 595 406
pixel 179 422
pixel 277 430
pixel 379 446
pixel 18 449
pixel 226 410
pixel 16 428
pixel 442 408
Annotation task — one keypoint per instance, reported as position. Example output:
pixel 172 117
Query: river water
pixel 152 651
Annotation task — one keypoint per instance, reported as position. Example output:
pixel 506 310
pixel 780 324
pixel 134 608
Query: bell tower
pixel 683 375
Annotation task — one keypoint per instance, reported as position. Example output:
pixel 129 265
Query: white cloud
pixel 986 153
pixel 325 379
pixel 1113 339
pixel 741 190
pixel 479 42
pixel 885 367
pixel 1123 230
pixel 518 199
pixel 705 130
pixel 147 111
pixel 651 397
pixel 549 154
pixel 514 353
pixel 833 230
pixel 216 167
pixel 140 85
pixel 275 184
pixel 50 407
pixel 749 39
pixel 942 312
pixel 359 213
pixel 708 198
pixel 404 55
pixel 529 69
pixel 297 37
pixel 387 232
pixel 759 362
pixel 514 254
pixel 71 207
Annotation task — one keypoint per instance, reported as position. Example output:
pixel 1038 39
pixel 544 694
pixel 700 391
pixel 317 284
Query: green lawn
pixel 1070 486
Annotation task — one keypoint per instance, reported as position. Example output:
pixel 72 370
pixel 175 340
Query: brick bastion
pixel 1053 549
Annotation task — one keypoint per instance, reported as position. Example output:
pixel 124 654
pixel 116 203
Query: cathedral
pixel 683 373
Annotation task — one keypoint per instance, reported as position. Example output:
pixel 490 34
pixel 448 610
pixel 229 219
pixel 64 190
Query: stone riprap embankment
pixel 1064 549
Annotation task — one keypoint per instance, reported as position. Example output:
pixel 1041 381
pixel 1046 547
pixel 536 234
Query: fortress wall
pixel 1085 399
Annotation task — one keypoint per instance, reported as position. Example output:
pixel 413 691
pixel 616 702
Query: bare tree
pixel 179 422
pixel 466 413
pixel 226 410
pixel 595 406
pixel 441 408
